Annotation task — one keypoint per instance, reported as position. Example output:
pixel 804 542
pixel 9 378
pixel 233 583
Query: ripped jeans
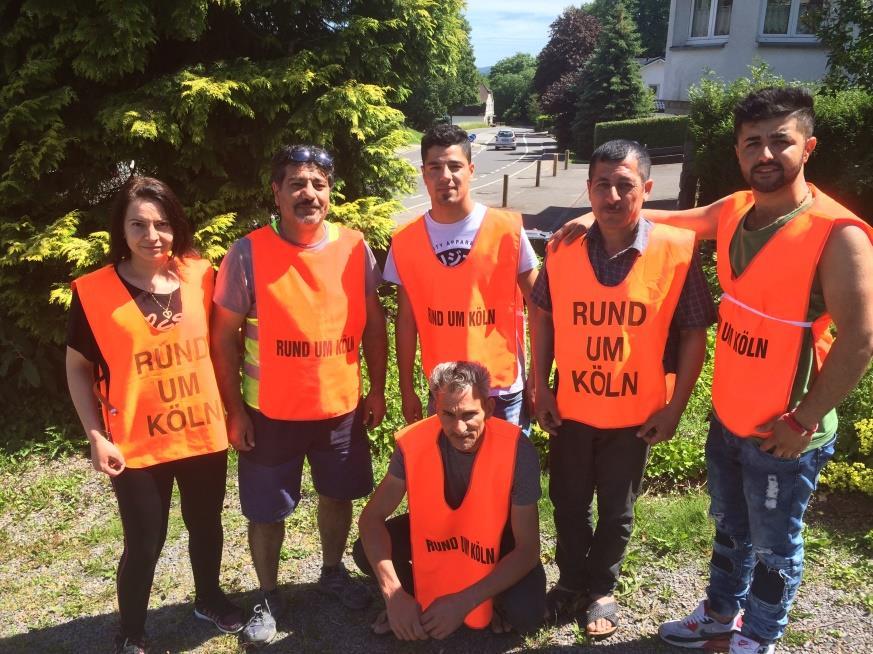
pixel 757 501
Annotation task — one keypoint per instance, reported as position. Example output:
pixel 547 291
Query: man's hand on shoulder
pixel 445 614
pixel 404 616
pixel 571 231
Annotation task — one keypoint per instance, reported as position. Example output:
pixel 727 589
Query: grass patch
pixel 673 524
pixel 473 125
pixel 69 558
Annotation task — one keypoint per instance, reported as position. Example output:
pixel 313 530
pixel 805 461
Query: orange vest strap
pixel 453 549
pixel 163 394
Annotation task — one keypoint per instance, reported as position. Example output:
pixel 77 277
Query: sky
pixel 500 28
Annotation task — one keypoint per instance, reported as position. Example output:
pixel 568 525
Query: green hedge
pixel 842 164
pixel 653 132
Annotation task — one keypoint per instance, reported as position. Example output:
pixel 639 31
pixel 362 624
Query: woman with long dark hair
pixel 141 379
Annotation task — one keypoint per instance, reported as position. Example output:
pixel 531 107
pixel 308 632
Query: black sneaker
pixel 129 645
pixel 336 581
pixel 224 614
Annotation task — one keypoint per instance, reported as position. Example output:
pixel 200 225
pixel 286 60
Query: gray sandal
pixel 607 611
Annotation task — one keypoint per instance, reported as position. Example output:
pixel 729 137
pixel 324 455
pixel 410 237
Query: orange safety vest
pixel 452 549
pixel 311 316
pixel 163 402
pixel 466 312
pixel 763 312
pixel 609 340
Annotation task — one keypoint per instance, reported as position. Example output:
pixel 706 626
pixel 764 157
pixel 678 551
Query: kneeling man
pixel 468 551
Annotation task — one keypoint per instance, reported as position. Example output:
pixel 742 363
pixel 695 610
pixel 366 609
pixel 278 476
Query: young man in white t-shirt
pixel 472 311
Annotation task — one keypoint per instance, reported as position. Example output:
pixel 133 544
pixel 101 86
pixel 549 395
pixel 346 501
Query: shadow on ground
pixel 313 623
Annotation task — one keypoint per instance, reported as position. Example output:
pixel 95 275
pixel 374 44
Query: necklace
pixel 807 200
pixel 165 310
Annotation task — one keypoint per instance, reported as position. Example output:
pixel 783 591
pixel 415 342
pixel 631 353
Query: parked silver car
pixel 505 139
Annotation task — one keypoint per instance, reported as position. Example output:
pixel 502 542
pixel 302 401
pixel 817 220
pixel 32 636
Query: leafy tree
pixel 511 81
pixel 846 28
pixel 434 96
pixel 199 93
pixel 611 87
pixel 652 18
pixel 573 36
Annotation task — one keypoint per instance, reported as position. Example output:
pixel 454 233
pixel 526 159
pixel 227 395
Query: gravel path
pixel 55 598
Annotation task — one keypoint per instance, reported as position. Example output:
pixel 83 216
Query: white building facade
pixel 652 72
pixel 727 36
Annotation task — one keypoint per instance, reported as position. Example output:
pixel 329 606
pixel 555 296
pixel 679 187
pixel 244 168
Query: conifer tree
pixel 610 87
pixel 199 93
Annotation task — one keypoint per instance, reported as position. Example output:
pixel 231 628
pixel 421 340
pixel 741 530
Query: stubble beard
pixel 776 182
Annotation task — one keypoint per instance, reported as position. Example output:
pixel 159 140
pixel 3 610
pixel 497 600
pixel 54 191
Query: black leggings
pixel 522 604
pixel 144 504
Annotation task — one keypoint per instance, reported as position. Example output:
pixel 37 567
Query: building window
pixel 790 19
pixel 711 19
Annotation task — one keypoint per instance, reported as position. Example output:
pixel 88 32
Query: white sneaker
pixel 699 631
pixel 744 645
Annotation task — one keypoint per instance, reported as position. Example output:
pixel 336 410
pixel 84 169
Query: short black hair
pixel 445 136
pixel 286 157
pixel 773 102
pixel 148 188
pixel 619 150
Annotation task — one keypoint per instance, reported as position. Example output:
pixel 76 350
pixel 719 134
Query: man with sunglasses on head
pixel 303 291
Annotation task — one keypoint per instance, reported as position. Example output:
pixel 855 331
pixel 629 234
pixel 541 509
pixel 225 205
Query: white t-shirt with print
pixel 451 243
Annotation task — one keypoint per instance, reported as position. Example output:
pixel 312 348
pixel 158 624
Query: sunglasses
pixel 311 154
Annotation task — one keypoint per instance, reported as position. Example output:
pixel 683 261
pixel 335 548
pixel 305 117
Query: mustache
pixel 772 164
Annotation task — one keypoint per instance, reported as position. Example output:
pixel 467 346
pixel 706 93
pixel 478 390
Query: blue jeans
pixel 511 408
pixel 757 501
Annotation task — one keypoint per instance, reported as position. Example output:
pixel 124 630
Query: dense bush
pixel 681 460
pixel 169 93
pixel 852 465
pixel 842 164
pixel 653 132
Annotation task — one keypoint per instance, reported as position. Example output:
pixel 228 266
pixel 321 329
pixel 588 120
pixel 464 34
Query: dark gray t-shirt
pixel 457 467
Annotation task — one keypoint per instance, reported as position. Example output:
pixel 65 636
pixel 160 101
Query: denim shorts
pixel 270 473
